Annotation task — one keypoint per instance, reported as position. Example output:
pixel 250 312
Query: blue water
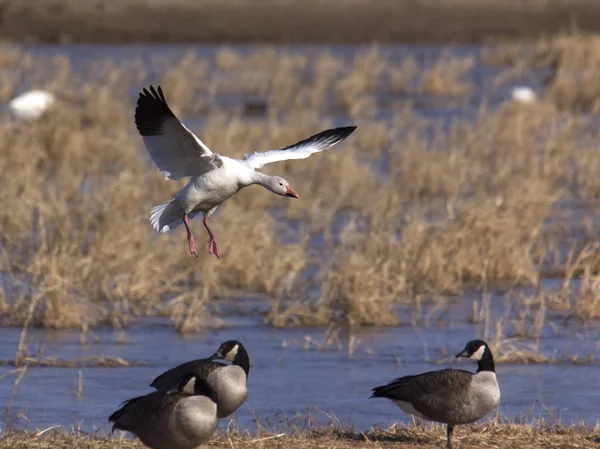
pixel 285 376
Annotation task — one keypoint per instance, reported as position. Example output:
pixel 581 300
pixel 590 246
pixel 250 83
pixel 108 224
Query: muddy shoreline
pixel 293 22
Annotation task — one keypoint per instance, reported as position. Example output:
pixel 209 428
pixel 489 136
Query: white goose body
pixel 523 94
pixel 32 104
pixel 179 153
pixel 208 191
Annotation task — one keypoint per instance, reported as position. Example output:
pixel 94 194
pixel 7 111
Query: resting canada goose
pixel 449 396
pixel 179 420
pixel 229 381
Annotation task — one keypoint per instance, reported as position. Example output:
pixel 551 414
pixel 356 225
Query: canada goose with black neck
pixel 182 419
pixel 449 396
pixel 229 381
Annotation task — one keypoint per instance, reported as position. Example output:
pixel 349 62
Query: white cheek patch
pixel 477 355
pixel 190 386
pixel 231 354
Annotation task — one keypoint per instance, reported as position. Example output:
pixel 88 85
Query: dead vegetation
pixel 242 21
pixel 448 75
pixel 305 434
pixel 80 362
pixel 571 63
pixel 406 209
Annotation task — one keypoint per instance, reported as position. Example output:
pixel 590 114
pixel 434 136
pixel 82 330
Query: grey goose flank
pixel 448 396
pixel 182 419
pixel 229 381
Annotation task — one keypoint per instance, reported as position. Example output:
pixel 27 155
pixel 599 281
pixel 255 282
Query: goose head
pixel 474 350
pixel 280 186
pixel 227 351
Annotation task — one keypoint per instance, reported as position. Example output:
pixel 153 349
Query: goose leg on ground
pixel 449 434
pixel 190 236
pixel 213 247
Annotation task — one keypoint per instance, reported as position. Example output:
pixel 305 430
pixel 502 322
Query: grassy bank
pixel 281 21
pixel 501 436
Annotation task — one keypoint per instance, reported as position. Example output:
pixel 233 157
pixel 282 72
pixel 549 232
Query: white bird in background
pixel 178 153
pixel 32 104
pixel 523 94
pixel 526 94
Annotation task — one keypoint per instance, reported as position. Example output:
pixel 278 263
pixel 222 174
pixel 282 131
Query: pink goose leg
pixel 213 247
pixel 191 242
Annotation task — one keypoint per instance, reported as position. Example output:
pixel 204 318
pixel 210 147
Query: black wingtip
pixel 154 94
pixel 330 137
pixel 151 111
pixel 337 135
pixel 342 132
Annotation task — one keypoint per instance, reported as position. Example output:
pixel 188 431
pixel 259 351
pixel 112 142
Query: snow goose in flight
pixel 178 153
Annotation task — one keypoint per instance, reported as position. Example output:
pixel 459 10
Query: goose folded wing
pixel 138 409
pixel 170 379
pixel 417 389
pixel 175 150
pixel 302 149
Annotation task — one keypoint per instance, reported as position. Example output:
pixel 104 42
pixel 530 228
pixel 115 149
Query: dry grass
pixel 573 60
pixel 351 21
pixel 447 77
pixel 502 435
pixel 467 205
pixel 80 362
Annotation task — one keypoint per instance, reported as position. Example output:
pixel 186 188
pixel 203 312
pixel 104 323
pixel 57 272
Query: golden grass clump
pixel 573 62
pixel 466 206
pixel 580 293
pixel 191 70
pixel 449 76
pixel 374 269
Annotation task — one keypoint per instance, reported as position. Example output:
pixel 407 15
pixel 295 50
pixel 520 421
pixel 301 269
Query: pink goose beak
pixel 291 193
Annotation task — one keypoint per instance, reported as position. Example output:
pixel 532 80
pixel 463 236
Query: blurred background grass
pixel 290 21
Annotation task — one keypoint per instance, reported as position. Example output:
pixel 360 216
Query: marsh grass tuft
pixel 449 76
pixel 80 362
